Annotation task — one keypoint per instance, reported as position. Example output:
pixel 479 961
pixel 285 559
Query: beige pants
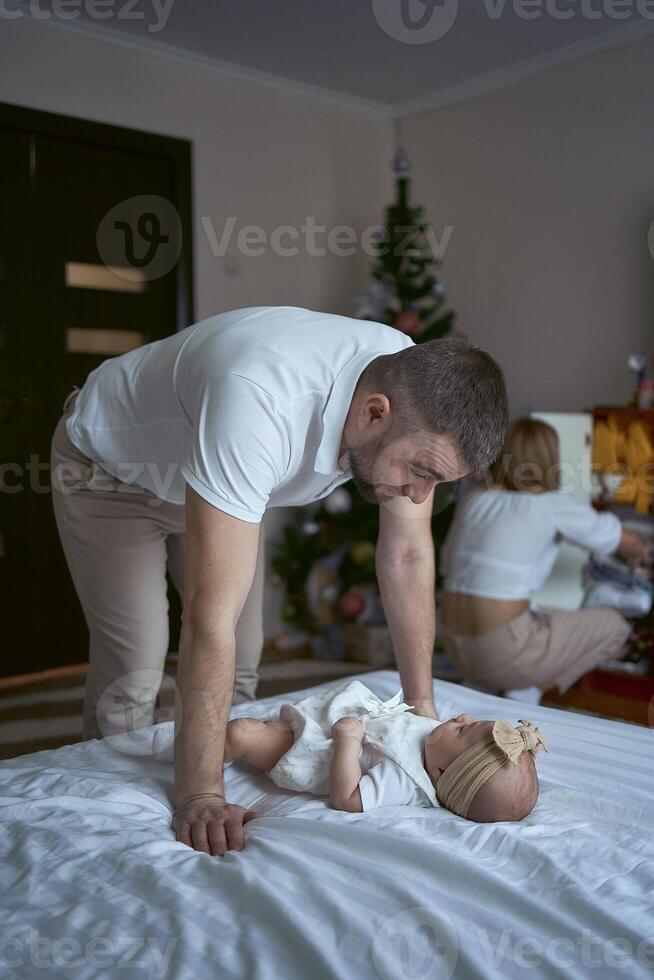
pixel 539 649
pixel 118 540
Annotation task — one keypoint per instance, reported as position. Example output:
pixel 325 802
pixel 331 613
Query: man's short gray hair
pixel 449 387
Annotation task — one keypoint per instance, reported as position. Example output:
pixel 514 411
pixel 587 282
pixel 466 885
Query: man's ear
pixel 375 408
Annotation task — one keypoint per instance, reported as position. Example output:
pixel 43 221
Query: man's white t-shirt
pixel 247 407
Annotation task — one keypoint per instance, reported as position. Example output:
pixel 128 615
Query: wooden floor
pixel 44 710
pixel 603 704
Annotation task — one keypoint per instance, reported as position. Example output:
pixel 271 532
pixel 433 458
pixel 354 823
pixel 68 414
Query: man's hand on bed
pixel 208 823
pixel 426 709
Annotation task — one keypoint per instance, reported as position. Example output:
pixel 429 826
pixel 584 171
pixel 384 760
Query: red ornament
pixel 408 322
pixel 351 605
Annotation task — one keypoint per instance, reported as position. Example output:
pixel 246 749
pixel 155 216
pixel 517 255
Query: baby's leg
pixel 261 743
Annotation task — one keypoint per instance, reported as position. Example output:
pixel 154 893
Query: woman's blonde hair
pixel 530 459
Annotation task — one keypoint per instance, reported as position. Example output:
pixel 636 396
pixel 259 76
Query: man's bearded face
pixel 391 465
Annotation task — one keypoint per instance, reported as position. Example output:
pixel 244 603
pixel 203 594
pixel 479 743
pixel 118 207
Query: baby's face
pixel 449 740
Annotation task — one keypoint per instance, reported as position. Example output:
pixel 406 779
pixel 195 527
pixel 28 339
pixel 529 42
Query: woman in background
pixel 500 549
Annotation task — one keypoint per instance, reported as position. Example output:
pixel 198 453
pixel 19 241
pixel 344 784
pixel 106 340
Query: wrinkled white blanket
pixel 93 884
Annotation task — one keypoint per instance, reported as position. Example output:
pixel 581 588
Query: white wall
pixel 268 157
pixel 549 185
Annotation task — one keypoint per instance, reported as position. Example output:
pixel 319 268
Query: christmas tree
pixel 327 560
pixel 405 292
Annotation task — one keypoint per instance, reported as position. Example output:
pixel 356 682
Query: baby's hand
pixel 352 727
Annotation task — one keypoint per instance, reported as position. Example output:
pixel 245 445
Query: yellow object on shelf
pixel 629 449
pixel 608 440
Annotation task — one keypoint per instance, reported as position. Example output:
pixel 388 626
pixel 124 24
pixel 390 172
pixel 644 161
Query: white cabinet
pixel 563 589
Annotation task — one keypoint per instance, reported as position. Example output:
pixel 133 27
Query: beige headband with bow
pixel 463 778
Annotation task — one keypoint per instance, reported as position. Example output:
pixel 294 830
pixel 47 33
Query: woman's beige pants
pixel 118 540
pixel 539 648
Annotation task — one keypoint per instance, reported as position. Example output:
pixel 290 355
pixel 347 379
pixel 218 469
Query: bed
pixel 93 883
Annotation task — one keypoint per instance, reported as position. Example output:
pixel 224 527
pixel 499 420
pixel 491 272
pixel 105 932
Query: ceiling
pixel 363 50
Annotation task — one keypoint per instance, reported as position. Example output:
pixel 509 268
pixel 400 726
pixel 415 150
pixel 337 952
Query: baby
pixel 363 753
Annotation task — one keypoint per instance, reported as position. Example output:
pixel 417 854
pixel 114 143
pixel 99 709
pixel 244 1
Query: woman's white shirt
pixel 502 544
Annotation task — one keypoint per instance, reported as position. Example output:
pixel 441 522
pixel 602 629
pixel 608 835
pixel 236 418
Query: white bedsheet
pixel 93 883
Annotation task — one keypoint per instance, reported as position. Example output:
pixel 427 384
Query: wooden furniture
pixel 613 699
pixel 624 416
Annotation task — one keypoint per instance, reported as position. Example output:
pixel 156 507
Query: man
pixel 256 408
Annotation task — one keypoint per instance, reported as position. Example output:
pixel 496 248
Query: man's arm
pixel 406 575
pixel 221 554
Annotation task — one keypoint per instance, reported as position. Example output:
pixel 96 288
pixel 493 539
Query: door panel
pixel 17 393
pixel 76 186
pixel 69 298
